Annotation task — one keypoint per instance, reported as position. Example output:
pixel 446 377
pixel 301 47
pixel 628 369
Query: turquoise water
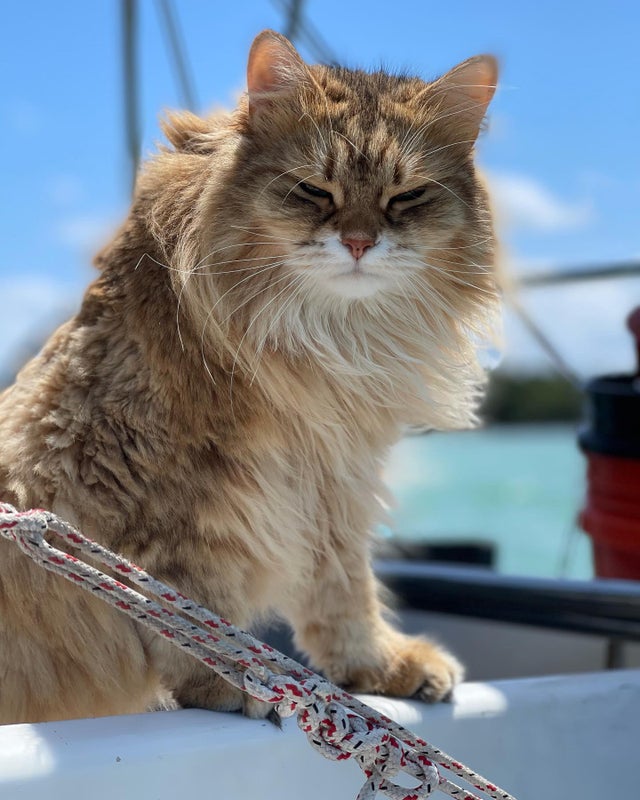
pixel 519 487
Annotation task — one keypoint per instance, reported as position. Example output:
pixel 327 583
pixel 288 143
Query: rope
pixel 337 724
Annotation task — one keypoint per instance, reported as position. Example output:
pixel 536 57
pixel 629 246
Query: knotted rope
pixel 337 724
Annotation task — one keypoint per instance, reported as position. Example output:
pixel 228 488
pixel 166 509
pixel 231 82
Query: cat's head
pixel 336 190
pixel 364 180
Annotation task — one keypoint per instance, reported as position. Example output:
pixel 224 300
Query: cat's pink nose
pixel 357 245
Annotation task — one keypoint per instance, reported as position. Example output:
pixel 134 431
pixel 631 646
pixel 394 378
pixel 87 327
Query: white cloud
pixel 522 203
pixel 31 307
pixel 585 322
pixel 85 232
pixel 64 190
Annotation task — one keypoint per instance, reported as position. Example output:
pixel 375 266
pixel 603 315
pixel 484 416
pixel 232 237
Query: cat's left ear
pixel 274 69
pixel 467 91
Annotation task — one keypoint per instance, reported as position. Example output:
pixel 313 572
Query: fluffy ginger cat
pixel 297 281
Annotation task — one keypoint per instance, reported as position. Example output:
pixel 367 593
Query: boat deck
pixel 543 738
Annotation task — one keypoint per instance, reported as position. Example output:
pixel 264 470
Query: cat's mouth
pixel 358 274
pixel 357 282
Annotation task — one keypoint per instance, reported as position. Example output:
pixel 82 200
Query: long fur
pixel 218 411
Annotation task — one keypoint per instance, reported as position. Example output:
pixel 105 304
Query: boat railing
pixel 603 607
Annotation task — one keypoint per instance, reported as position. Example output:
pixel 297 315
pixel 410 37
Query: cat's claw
pixel 415 668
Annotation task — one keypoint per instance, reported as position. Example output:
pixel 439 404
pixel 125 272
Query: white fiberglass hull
pixel 541 739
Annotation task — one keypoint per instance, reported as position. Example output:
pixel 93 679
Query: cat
pixel 297 282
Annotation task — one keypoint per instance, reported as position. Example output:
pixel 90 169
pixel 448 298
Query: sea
pixel 519 487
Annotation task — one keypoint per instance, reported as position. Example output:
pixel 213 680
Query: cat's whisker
pixel 436 150
pixel 434 296
pixel 196 267
pixel 435 121
pixel 451 268
pixel 473 243
pixel 408 132
pixel 254 270
pixel 212 311
pixel 348 141
pixel 259 231
pixel 451 271
pixel 300 279
pixel 246 278
pixel 248 328
pixel 460 281
pixel 435 254
pixel 282 174
pixel 196 271
pixel 406 148
pixel 302 180
pixel 319 132
pixel 237 245
pixel 252 296
pixel 181 270
pixel 446 188
pixel 263 259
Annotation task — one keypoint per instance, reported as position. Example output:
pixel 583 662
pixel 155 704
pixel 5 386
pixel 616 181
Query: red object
pixel 611 515
pixel 611 443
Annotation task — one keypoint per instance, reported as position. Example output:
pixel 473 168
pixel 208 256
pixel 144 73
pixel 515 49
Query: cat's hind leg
pixel 63 653
pixel 194 685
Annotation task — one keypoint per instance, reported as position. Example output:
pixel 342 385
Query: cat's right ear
pixel 466 91
pixel 274 69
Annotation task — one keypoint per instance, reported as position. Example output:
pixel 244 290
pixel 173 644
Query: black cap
pixel 613 409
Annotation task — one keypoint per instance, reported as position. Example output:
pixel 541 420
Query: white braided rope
pixel 337 724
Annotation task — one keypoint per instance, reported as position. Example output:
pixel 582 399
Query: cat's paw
pixel 414 667
pixel 215 694
pixel 256 709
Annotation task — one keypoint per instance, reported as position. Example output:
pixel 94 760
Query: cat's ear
pixel 466 91
pixel 274 69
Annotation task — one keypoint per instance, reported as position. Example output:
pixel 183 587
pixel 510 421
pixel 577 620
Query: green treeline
pixel 531 398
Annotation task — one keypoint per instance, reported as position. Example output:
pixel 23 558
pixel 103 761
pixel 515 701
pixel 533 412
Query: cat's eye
pixel 406 197
pixel 315 191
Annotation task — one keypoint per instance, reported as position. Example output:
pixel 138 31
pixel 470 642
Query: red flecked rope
pixel 336 723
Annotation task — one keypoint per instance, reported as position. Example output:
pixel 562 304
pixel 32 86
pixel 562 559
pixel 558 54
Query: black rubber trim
pixel 603 607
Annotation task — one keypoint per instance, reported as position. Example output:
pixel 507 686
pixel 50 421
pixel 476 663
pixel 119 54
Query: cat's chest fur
pixel 300 490
pixel 204 483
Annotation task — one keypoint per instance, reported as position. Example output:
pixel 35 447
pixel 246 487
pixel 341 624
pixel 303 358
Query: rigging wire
pixel 621 269
pixel 306 32
pixel 129 50
pixel 535 331
pixel 175 45
pixel 293 21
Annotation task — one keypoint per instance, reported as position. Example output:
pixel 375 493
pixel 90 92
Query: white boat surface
pixel 547 737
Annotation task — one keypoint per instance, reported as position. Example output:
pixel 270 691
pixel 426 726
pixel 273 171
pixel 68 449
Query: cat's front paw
pixel 215 694
pixel 414 667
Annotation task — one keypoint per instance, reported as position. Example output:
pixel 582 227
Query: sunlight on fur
pixel 297 281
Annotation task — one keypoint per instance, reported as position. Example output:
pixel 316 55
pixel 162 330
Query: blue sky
pixel 561 151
